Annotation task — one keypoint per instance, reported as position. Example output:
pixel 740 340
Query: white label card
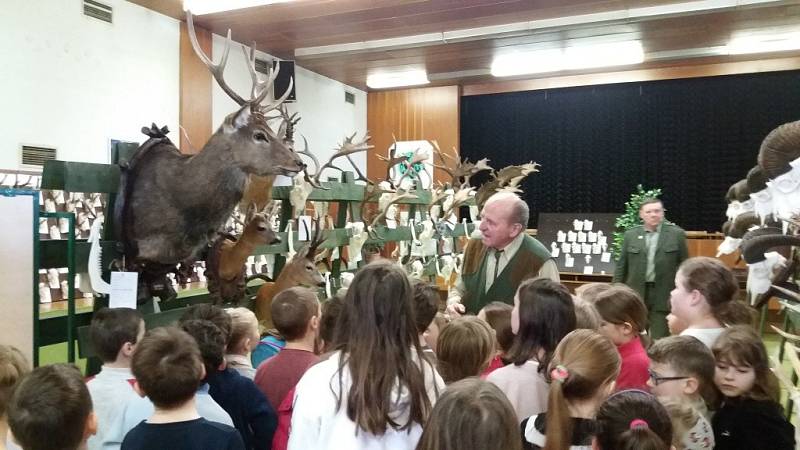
pixel 569 261
pixel 588 270
pixel 605 257
pixel 587 225
pixel 123 290
pixel 581 236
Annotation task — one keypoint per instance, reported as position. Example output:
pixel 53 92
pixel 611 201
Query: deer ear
pixel 238 119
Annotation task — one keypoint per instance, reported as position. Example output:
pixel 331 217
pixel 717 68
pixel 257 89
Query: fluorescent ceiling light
pixel 604 55
pixel 571 58
pixel 200 7
pixel 764 44
pixel 520 63
pixel 397 79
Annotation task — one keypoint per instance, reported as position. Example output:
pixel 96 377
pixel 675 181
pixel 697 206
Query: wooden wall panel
pixel 195 92
pixel 412 114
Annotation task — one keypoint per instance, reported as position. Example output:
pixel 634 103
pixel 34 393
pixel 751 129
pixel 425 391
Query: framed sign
pixel 579 242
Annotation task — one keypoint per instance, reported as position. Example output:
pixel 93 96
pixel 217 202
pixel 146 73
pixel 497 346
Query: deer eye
pixel 259 136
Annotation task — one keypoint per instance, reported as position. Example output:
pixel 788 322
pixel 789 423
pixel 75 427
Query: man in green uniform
pixel 650 256
pixel 504 256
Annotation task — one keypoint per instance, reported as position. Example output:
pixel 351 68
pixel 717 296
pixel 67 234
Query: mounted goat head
pixel 171 205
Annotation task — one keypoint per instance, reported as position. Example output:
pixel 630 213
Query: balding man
pixel 495 265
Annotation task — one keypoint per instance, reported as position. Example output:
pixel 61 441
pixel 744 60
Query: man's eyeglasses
pixel 658 379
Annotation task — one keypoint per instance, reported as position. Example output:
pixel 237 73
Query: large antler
pixel 395 197
pixel 215 69
pixel 345 149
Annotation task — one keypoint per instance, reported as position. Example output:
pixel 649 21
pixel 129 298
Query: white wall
pixel 73 82
pixel 326 118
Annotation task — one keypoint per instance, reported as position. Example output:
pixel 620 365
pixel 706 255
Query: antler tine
pixel 348 147
pixel 396 197
pixel 258 87
pixel 215 69
pixel 273 74
pixel 310 179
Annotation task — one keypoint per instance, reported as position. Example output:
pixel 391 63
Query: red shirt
pixel 633 373
pixel 279 374
pixel 495 364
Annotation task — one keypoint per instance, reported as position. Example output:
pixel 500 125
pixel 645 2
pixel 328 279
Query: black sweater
pixel 751 425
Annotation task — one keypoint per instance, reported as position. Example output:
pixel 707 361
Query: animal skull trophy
pixel 172 205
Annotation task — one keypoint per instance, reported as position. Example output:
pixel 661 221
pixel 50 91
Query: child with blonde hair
pixel 582 373
pixel 244 338
pixel 690 430
pixel 13 366
pixel 623 320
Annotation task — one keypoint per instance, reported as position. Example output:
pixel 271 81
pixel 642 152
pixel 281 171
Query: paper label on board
pixel 588 270
pixel 605 257
pixel 123 290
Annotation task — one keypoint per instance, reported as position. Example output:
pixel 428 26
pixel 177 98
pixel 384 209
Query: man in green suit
pixel 650 256
pixel 504 256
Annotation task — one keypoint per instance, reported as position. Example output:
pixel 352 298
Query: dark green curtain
pixel 692 137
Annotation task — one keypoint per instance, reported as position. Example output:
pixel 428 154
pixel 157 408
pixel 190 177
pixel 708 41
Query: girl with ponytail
pixel 705 299
pixel 632 420
pixel 581 374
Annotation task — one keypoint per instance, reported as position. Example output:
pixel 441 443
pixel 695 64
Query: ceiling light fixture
pixel 572 58
pixel 764 43
pixel 385 80
pixel 200 7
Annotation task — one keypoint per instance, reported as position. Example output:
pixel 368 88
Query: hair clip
pixel 559 373
pixel 638 423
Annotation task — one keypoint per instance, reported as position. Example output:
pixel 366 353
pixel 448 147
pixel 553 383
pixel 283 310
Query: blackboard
pixel 570 229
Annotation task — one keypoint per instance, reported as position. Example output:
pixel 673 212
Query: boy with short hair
pixel 682 368
pixel 426 305
pixel 249 409
pixel 51 409
pixel 114 334
pixel 296 314
pixel 168 369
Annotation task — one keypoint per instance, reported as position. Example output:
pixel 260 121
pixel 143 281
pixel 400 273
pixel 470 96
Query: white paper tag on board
pixel 123 290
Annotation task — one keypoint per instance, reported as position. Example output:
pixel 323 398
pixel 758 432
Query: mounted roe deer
pixel 171 205
pixel 225 263
pixel 299 271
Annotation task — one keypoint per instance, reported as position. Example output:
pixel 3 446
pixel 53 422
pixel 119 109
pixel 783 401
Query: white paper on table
pixel 123 290
pixel 576 248
pixel 602 240
pixel 571 236
pixel 605 257
pixel 569 261
pixel 561 236
pixel 304 225
pixel 588 270
pixel 587 225
pixel 586 249
pixel 577 225
pixel 566 247
pixel 592 236
pixel 581 236
pixel 596 249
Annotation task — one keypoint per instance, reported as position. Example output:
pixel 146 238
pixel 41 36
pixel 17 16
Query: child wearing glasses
pixel 750 416
pixel 682 376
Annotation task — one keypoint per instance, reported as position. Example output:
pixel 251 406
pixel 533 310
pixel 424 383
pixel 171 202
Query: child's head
pixel 296 313
pixel 622 313
pixel 329 322
pixel 688 425
pixel 586 315
pixel 381 348
pixel 465 348
pixel 589 291
pixel 681 366
pixel 435 329
pixel 543 314
pixel 51 409
pixel 632 420
pixel 168 367
pixel 212 313
pixel 114 333
pixel 706 286
pixel 472 414
pixel 210 341
pixel 426 304
pixel 742 368
pixel 498 316
pixel 244 331
pixel 584 368
pixel 13 366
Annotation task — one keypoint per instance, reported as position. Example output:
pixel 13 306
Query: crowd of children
pixel 378 367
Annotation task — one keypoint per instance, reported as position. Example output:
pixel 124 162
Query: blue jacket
pixel 248 407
